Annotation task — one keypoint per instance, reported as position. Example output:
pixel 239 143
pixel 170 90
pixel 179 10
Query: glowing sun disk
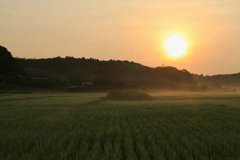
pixel 176 46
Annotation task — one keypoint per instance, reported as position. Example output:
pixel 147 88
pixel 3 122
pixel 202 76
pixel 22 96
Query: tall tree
pixel 7 62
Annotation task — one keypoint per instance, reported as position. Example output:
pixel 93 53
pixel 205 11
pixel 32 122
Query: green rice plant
pixel 80 126
pixel 127 95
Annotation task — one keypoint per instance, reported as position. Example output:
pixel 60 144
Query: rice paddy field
pixel 83 126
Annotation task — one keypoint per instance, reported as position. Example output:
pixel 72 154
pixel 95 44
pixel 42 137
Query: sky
pixel 133 30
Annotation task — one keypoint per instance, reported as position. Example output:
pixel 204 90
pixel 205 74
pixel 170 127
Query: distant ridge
pixel 225 80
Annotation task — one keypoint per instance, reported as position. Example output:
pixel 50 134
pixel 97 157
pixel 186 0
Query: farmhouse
pixel 84 87
pixel 9 80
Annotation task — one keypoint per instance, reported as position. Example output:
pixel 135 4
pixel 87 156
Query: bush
pixel 127 95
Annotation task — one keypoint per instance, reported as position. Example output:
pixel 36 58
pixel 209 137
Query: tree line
pixel 64 72
pixel 115 73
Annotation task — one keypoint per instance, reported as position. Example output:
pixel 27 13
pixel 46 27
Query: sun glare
pixel 176 46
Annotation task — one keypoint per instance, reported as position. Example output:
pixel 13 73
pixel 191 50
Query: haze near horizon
pixel 126 30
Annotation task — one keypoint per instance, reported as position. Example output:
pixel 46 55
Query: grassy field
pixel 83 126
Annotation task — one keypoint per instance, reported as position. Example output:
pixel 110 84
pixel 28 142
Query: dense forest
pixel 114 74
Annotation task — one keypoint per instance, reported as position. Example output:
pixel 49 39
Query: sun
pixel 176 46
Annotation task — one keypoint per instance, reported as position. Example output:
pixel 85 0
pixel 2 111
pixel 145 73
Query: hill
pixel 133 75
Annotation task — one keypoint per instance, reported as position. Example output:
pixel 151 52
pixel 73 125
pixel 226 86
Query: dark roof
pixel 86 84
pixel 39 78
pixel 7 77
pixel 76 87
pixel 7 85
pixel 11 76
pixel 20 76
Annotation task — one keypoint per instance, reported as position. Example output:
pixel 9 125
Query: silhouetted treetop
pixel 7 62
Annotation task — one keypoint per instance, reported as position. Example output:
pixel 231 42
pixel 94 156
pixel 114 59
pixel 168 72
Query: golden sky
pixel 133 30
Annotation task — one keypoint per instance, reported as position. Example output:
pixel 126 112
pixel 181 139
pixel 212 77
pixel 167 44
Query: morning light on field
pixel 120 80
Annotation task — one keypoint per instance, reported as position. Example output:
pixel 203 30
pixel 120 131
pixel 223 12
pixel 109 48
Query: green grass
pixel 127 95
pixel 82 126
